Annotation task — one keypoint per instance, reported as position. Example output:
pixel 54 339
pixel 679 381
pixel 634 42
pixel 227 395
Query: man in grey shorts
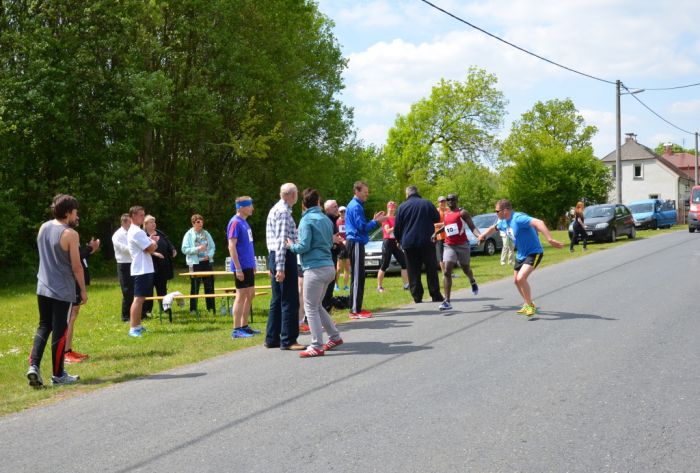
pixel 456 247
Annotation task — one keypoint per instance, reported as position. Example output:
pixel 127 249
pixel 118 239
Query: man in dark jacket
pixel 413 228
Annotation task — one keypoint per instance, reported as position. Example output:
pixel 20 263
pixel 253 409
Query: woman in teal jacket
pixel 314 246
pixel 198 247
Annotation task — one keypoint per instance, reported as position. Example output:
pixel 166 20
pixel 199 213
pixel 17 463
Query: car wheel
pixel 490 247
pixel 691 229
pixel 654 225
pixel 633 234
pixel 613 235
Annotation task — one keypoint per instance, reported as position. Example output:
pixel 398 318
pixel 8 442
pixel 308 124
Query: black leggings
pixel 53 319
pixel 578 234
pixel 391 247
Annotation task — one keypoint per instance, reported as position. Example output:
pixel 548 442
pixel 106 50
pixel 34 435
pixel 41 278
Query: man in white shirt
pixel 123 257
pixel 140 248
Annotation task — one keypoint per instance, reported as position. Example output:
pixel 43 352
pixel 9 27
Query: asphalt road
pixel 604 379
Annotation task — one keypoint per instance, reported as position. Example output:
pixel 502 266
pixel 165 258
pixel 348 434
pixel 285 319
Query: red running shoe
pixel 332 344
pixel 71 358
pixel 311 352
pixel 82 356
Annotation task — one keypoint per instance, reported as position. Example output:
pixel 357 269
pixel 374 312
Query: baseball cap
pixel 441 198
pixel 342 208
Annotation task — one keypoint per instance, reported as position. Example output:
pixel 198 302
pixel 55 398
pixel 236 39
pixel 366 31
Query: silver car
pixel 493 243
pixel 373 254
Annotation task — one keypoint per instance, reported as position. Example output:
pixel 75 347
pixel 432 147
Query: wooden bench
pixel 233 289
pixel 227 295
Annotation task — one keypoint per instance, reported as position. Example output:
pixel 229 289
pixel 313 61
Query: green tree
pixel 177 106
pixel 475 184
pixel 456 124
pixel 547 162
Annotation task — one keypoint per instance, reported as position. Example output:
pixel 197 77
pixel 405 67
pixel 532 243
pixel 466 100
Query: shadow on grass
pixel 377 348
pixel 130 355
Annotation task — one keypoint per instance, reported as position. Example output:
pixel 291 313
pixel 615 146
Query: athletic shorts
pixel 248 279
pixel 343 252
pixel 457 253
pixel 143 285
pixel 439 248
pixel 533 260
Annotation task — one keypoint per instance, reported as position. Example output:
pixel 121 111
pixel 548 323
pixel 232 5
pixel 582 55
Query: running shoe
pixel 475 288
pixel 136 332
pixel 240 333
pixel 332 344
pixel 80 355
pixel 70 357
pixel 311 352
pixel 346 288
pixel 405 287
pixel 34 377
pixel 380 289
pixel 65 378
pixel 304 328
pixel 530 310
pixel 360 315
pixel 250 330
pixel 445 306
pixel 522 310
pixel 337 288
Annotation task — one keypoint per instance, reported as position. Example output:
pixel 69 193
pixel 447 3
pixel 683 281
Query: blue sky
pixel 399 49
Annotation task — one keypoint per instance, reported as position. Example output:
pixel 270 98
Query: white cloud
pixel 687 107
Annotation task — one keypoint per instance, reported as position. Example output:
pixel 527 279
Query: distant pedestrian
pixel 523 230
pixel 357 229
pixel 330 207
pixel 59 271
pixel 343 265
pixel 390 247
pixel 141 247
pixel 123 257
pixel 508 249
pixel 414 227
pixel 242 253
pixel 162 261
pixel 198 247
pixel 314 246
pixel 578 228
pixel 282 320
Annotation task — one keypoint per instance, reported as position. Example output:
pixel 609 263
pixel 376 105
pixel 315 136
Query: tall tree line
pixel 177 106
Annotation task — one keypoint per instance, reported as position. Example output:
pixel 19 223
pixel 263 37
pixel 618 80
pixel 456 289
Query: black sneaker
pixel 475 288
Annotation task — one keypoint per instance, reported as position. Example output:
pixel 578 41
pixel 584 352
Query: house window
pixel 612 170
pixel 638 171
pixel 653 196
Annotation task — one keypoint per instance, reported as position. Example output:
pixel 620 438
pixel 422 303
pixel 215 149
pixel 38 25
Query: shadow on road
pixel 554 315
pixel 375 323
pixel 175 376
pixel 377 348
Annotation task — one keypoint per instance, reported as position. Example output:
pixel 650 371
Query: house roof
pixel 631 150
pixel 681 160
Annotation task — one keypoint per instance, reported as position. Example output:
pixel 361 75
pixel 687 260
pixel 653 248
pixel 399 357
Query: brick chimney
pixel 668 149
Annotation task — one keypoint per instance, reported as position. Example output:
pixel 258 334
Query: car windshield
pixel 484 220
pixel 376 235
pixel 696 196
pixel 599 211
pixel 641 208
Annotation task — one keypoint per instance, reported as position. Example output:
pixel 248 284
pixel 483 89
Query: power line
pixel 652 111
pixel 516 46
pixel 461 20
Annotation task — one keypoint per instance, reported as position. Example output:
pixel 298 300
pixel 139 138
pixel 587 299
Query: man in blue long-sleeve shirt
pixel 357 230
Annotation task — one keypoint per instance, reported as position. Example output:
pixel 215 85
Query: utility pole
pixel 696 158
pixel 618 147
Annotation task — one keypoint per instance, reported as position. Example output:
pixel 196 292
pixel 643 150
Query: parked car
pixel 694 210
pixel 653 213
pixel 493 243
pixel 606 222
pixel 373 254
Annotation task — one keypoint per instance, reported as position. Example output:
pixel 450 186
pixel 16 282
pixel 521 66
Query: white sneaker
pixel 34 377
pixel 65 378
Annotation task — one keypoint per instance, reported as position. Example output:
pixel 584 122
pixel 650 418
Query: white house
pixel 646 175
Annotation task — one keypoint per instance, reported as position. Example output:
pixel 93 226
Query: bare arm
pixel 233 252
pixel 539 225
pixel 470 223
pixel 71 242
pixel 492 229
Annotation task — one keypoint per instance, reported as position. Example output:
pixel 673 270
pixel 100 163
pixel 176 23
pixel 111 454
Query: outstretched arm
pixel 539 225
